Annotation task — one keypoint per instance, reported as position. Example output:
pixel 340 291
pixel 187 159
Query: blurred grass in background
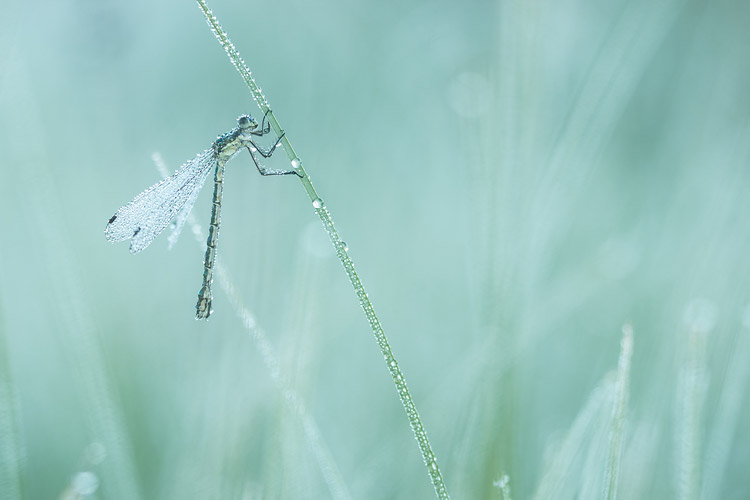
pixel 515 180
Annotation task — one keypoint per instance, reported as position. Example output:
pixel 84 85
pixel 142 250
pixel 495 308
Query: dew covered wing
pixel 144 218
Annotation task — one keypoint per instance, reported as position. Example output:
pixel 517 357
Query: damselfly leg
pixel 264 127
pixel 253 148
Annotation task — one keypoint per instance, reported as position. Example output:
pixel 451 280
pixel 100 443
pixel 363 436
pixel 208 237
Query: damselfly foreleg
pixel 264 127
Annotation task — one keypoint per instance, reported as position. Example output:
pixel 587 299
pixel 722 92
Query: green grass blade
pixel 12 447
pixel 341 252
pixel 617 425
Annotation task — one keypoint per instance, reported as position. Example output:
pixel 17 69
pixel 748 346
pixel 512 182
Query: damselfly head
pixel 247 122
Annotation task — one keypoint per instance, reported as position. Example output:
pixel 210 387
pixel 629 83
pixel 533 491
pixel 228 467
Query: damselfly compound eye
pixel 247 121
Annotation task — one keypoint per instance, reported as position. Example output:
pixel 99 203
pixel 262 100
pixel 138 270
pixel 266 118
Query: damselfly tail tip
pixel 203 307
pixel 203 313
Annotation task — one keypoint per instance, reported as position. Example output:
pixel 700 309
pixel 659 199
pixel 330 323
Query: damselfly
pixel 172 198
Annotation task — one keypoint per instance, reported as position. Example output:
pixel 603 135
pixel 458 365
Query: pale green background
pixel 515 180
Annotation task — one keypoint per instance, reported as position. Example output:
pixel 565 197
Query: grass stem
pixel 617 424
pixel 341 252
pixel 12 446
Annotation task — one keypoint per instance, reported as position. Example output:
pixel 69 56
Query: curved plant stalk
pixel 341 252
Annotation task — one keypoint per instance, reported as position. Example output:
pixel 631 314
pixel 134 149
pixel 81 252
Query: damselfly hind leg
pixel 269 171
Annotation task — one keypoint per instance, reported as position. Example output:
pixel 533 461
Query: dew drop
pixel 296 163
pixel 318 203
pixel 85 483
pixel 345 246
